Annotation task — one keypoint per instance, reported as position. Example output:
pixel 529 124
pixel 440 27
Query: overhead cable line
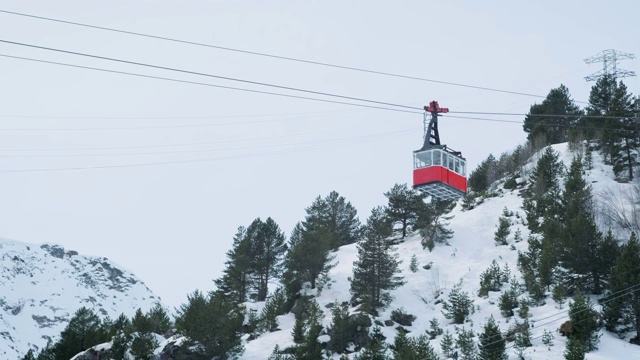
pixel 146 127
pixel 206 75
pixel 206 84
pixel 204 117
pixel 280 57
pixel 351 138
pixel 541 115
pixel 191 161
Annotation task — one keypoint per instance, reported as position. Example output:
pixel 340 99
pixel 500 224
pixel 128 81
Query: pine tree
pixel 159 321
pixel 543 200
pixel 307 261
pixel 310 348
pixel 447 345
pixel 466 344
pixel 584 326
pixel 433 223
pixel 143 345
pixel 622 307
pixel 576 350
pixel 235 280
pixel 403 207
pixel 492 344
pixel 500 236
pixel 408 348
pixel 522 339
pixel 625 133
pixel 376 349
pixel 375 271
pixel 434 329
pixel 547 338
pixel 458 306
pixel 553 129
pixel 413 265
pixel 214 322
pixel 276 305
pixel 268 246
pixel 582 245
pixel 29 355
pixel 82 332
pixel 341 329
pixel 335 217
pixel 600 99
pixel 559 295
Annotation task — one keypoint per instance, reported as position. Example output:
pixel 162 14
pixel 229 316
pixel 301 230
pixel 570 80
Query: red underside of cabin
pixel 441 174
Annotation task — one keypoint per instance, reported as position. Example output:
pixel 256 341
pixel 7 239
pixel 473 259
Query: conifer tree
pixel 622 308
pixel 558 295
pixel 584 325
pixel 553 129
pixel 600 99
pixel 408 348
pixel 626 133
pixel 375 271
pixel 404 206
pixel 82 332
pixel 543 200
pixel 500 236
pixel 458 306
pixel 29 355
pixel 335 217
pixel 492 344
pixel 235 280
pixel 143 345
pixel 341 329
pixel 376 349
pixel 433 223
pixel 268 246
pixel 307 260
pixel 466 344
pixel 575 350
pixel 276 305
pixel 583 250
pixel 447 345
pixel 159 321
pixel 310 348
pixel 214 322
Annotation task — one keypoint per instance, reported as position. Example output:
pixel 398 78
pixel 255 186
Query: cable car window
pixel 427 158
pixel 457 167
pixel 451 164
pixel 437 157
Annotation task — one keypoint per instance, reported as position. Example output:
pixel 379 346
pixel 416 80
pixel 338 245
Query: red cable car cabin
pixel 438 170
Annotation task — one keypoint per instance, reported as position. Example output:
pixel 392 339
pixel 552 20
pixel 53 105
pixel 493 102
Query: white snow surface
pixel 41 287
pixel 471 251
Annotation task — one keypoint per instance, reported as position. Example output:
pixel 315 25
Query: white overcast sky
pixel 262 155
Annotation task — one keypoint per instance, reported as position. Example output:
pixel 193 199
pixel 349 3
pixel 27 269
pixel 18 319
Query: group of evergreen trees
pixel 611 119
pixel 85 329
pixel 261 259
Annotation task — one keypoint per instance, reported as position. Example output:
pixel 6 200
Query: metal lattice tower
pixel 610 59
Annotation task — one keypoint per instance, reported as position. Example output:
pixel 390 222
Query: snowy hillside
pixel 471 251
pixel 42 286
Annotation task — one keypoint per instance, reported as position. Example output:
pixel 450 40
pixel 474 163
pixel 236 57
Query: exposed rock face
pixel 43 286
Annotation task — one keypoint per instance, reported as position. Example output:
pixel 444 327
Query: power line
pixel 205 84
pixel 205 74
pixel 270 55
pixel 191 161
pixel 352 138
pixel 204 117
pixel 158 126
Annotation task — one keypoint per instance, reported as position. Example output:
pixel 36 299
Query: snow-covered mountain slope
pixel 471 251
pixel 41 287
